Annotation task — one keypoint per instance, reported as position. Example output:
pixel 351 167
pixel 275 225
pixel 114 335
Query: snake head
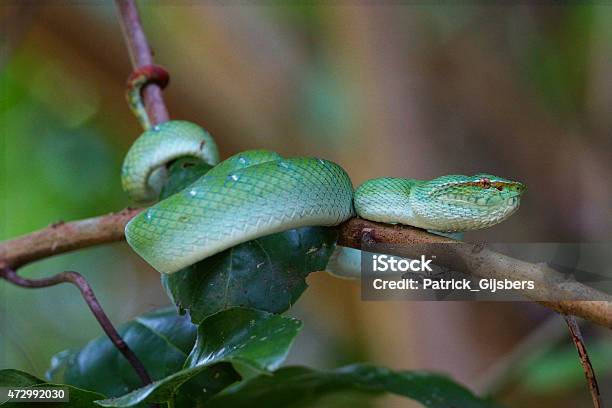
pixel 461 203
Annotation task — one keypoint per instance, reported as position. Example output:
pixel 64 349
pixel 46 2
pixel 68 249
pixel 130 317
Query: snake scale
pixel 258 192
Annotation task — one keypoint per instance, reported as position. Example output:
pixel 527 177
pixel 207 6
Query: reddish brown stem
pixel 140 55
pixel 90 298
pixel 589 373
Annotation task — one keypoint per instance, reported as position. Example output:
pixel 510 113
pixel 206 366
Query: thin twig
pixel 589 373
pixel 140 55
pixel 90 298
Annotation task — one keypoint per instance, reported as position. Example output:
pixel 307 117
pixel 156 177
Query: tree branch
pixel 141 55
pixel 61 237
pixel 90 298
pixel 478 260
pixel 475 259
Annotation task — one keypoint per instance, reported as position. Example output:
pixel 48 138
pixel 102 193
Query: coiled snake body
pixel 258 192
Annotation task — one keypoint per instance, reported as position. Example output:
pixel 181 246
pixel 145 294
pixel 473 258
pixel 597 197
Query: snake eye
pixel 500 188
pixel 486 183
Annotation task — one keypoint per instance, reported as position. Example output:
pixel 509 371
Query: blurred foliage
pixel 556 61
pixel 52 141
pixel 559 369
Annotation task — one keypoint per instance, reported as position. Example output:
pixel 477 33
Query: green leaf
pixel 268 273
pixel 161 340
pixel 255 338
pixel 304 387
pixel 79 398
pixel 258 339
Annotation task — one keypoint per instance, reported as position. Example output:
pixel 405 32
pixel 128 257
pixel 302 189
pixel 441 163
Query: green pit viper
pixel 258 192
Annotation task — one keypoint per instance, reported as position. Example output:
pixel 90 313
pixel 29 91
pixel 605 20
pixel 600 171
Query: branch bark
pixel 61 237
pixel 475 259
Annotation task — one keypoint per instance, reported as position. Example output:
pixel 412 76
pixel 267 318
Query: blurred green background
pixel 417 91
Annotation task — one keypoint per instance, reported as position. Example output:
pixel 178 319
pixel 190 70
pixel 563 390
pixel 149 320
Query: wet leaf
pixel 258 339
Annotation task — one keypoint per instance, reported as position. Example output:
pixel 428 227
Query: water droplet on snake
pixel 234 177
pixel 242 160
pixel 193 192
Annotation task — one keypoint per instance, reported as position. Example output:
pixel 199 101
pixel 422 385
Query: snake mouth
pixel 483 201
